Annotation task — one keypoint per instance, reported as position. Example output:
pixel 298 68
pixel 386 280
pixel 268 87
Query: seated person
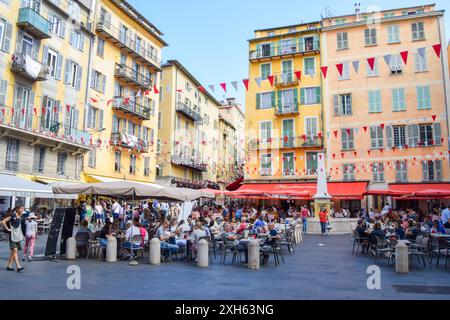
pixel 414 229
pixel 363 233
pixel 84 227
pixel 197 233
pixel 437 228
pixel 81 245
pixel 167 239
pixel 269 242
pixel 376 233
pixel 399 231
pixel 106 231
pixel 259 226
pixel 175 229
pixel 132 230
pixel 230 236
pixel 242 226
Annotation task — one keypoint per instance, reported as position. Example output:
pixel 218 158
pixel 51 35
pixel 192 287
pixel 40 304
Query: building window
pixel 342 40
pixel 101 47
pixel 288 133
pixel 117 161
pixel 76 39
pixel 426 134
pixel 92 163
pixel 378 172
pixel 432 170
pixel 133 164
pixel 158 147
pixel 394 34
pixel 265 131
pixel 374 101
pixel 266 164
pixel 399 136
pixel 98 81
pixel 57 25
pixel 421 62
pixel 146 166
pixel 265 100
pixel 159 120
pixel 61 164
pixel 373 72
pixel 398 99
pixel 12 155
pixel 401 171
pixel 72 74
pixel 311 163
pixel 288 164
pixel 342 104
pixel 2 32
pixel 418 31
pixel 266 70
pixel 376 137
pixel 50 120
pixel 95 118
pixel 370 36
pixel 396 64
pixel 310 95
pixel 349 172
pixel 348 139
pixel 423 97
pixel 345 71
pixel 52 62
pixel 39 159
pixel 309 66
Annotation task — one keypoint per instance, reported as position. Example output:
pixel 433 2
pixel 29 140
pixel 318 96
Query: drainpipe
pixel 445 71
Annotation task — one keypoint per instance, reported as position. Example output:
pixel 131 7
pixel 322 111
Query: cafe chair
pixel 94 246
pixel 82 241
pixel 288 240
pixel 228 247
pixel 381 248
pixel 443 250
pixel 359 242
pixel 135 247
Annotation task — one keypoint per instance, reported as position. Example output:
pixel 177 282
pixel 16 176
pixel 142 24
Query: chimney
pixel 358 11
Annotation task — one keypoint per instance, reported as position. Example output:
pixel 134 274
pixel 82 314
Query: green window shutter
pixel 258 50
pixel 420 98
pixel 302 96
pixel 295 99
pixel 437 133
pixel 371 101
pixel 318 95
pixel 316 44
pixel 389 137
pixel 425 170
pixel 258 101
pixel 438 169
pixel 427 97
pixel 273 98
pixel 302 44
pixel 279 47
pixel 279 94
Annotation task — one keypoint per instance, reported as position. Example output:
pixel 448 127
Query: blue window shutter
pixel 78 81
pixel 45 55
pixel 318 95
pixel 7 37
pixel 302 96
pixel 273 98
pixel 67 71
pixel 59 64
pixel 258 101
pixel 437 133
pixel 279 94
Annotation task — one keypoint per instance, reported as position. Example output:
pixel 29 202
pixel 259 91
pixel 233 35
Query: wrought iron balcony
pixel 312 142
pixel 275 143
pixel 128 141
pixel 188 112
pixel 129 75
pixel 287 79
pixel 190 162
pixel 289 109
pixel 294 49
pixel 29 68
pixel 107 31
pixel 33 23
pixel 131 107
pixel 37 123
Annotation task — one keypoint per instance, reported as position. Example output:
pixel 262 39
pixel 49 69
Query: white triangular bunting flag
pixel 258 81
pixel 138 94
pixel 387 59
pixel 421 52
pixel 235 85
pixel 168 88
pixel 356 65
pixel 356 130
pixel 212 88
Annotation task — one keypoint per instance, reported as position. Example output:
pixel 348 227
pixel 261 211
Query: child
pixel 31 235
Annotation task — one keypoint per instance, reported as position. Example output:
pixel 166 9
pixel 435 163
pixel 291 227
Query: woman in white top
pixel 31 235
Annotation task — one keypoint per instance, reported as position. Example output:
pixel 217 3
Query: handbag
pixel 16 234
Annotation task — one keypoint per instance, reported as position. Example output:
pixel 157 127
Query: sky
pixel 209 37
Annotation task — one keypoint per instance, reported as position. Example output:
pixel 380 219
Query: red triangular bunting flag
pixel 146 92
pixel 12 112
pixel 245 81
pixel 34 110
pixel 368 152
pixel 23 111
pixel 442 140
pixel 382 126
pixel 68 108
pixel 348 131
pixel 319 135
pixel 109 101
pixel 393 149
pixel 334 155
pixel 381 150
pixel 433 117
pixel 371 62
pixel 94 100
pixel 155 89
pixel 365 128
pixel 335 134
pixel 224 86
pixel 342 155
pixel 270 78
pixel 324 71
pixel 43 110
pixel 340 68
pixel 126 100
pixel 55 109
pixel 298 74
pixel 202 89
pixel 404 55
pixel 179 90
pixel 437 48
pixel 355 153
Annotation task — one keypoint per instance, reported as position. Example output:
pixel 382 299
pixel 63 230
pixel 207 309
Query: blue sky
pixel 209 37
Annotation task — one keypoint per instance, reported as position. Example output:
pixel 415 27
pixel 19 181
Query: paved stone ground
pixel 326 271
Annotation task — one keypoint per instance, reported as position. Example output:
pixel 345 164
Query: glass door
pixel 288 133
pixel 287 71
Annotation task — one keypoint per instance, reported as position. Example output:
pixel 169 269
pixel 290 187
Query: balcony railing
pixel 190 162
pixel 310 46
pixel 188 112
pixel 131 107
pixel 286 79
pixel 288 109
pixel 129 141
pixel 25 120
pixel 285 143
pixel 66 8
pixel 312 142
pixel 33 23
pixel 124 42
pixel 29 68
pixel 129 75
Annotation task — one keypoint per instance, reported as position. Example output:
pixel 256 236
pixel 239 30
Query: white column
pixel 202 254
pixel 155 251
pixel 253 255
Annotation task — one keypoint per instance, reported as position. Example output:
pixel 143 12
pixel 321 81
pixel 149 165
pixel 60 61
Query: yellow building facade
pixel 188 148
pixel 284 117
pixel 123 105
pixel 44 50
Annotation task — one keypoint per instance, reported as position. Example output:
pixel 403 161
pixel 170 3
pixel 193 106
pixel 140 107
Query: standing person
pixel 89 213
pixel 305 214
pixel 323 218
pixel 115 210
pixel 99 214
pixel 445 219
pixel 12 225
pixel 31 235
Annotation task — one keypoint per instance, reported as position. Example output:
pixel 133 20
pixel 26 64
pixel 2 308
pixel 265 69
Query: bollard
pixel 71 249
pixel 111 249
pixel 155 251
pixel 401 258
pixel 202 253
pixel 300 232
pixel 253 255
pixel 296 233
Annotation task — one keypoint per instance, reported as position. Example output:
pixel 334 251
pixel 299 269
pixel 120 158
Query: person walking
pixel 305 214
pixel 12 225
pixel 323 218
pixel 30 237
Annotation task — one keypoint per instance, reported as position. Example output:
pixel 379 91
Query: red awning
pixel 416 191
pixel 338 190
pixel 235 185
